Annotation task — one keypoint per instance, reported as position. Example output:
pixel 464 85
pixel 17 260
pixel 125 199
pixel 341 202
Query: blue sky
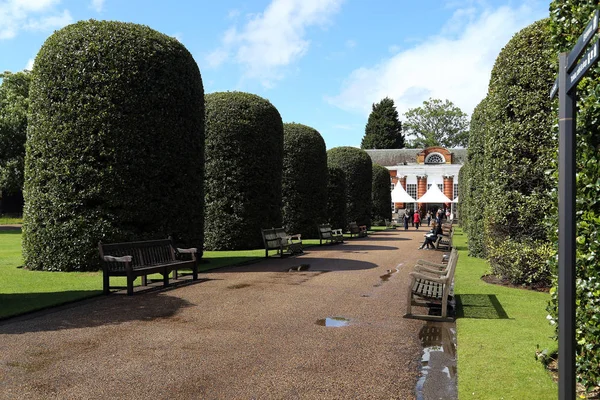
pixel 322 63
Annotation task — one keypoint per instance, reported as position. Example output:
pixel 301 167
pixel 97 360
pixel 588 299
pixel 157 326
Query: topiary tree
pixel 115 144
pixel 304 182
pixel 336 197
pixel 519 149
pixel 568 18
pixel 244 162
pixel 381 194
pixel 357 168
pixel 384 129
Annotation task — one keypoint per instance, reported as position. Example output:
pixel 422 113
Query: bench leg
pixel 130 279
pixel 195 271
pixel 166 277
pixel 144 280
pixel 105 282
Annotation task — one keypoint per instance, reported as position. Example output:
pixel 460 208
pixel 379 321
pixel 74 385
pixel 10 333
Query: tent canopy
pixel 399 195
pixel 434 195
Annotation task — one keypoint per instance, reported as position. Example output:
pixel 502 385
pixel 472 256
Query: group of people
pixel 415 218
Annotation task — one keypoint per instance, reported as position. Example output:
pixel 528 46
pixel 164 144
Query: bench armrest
pixel 295 237
pixel 124 259
pixel 337 231
pixel 421 262
pixel 434 271
pixel 192 250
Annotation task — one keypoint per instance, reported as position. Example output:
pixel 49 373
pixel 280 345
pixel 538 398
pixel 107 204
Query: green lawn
pixel 498 332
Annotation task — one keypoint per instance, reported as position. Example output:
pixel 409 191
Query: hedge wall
pixel 336 197
pixel 304 183
pixel 244 163
pixel 568 19
pixel 357 167
pixel 381 194
pixel 115 144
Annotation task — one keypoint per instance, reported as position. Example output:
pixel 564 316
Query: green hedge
pixel 304 183
pixel 381 194
pixel 357 167
pixel 244 163
pixel 568 19
pixel 336 197
pixel 522 263
pixel 115 144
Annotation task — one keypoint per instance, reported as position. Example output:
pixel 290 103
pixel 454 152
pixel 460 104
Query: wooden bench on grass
pixel 390 224
pixel 444 242
pixel 359 231
pixel 278 239
pixel 430 285
pixel 142 258
pixel 326 234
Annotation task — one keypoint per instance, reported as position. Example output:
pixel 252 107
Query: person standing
pixel 406 218
pixel 428 217
pixel 417 219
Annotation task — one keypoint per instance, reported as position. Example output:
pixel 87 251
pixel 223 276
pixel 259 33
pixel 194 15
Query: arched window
pixel 435 158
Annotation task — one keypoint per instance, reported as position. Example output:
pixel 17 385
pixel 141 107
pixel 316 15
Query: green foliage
pixel 357 167
pixel 14 103
pixel 304 184
pixel 437 123
pixel 522 263
pixel 336 197
pixel 244 164
pixel 472 198
pixel 383 130
pixel 568 18
pixel 115 144
pixel 381 193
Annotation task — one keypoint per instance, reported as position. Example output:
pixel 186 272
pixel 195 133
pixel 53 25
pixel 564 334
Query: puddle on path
pixel 438 362
pixel 386 277
pixel 333 322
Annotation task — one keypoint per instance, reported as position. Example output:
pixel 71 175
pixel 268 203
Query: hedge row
pixel 381 194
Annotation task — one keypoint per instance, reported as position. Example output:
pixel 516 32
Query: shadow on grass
pixel 479 306
pixel 99 311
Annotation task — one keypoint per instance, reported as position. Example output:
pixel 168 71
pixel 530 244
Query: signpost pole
pixel 566 234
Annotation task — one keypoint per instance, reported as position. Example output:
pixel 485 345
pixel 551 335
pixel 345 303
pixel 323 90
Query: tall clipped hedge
pixel 357 168
pixel 244 163
pixel 304 182
pixel 568 19
pixel 115 144
pixel 336 197
pixel 381 194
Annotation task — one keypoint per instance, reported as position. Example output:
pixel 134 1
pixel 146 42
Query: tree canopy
pixel 384 129
pixel 437 123
pixel 14 103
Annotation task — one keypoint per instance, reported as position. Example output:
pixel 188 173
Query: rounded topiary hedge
pixel 115 144
pixel 244 161
pixel 381 194
pixel 304 183
pixel 336 197
pixel 357 168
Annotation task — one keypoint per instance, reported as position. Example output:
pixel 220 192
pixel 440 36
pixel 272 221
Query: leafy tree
pixel 437 123
pixel 384 129
pixel 14 103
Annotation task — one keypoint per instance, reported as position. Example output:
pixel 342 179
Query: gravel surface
pixel 248 332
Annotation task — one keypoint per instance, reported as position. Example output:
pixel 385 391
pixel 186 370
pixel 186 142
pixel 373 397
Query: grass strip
pixel 499 330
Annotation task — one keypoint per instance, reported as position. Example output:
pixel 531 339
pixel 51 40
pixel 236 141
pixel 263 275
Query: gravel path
pixel 249 332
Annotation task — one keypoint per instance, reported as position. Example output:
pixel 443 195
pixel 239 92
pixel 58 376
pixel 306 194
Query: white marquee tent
pixel 399 195
pixel 434 195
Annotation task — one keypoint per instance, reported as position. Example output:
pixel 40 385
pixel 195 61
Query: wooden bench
pixel 354 229
pixel 278 239
pixel 429 287
pixel 142 258
pixel 326 234
pixel 444 242
pixel 390 224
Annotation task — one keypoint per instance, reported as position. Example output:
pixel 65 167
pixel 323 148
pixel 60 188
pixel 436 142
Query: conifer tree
pixel 384 129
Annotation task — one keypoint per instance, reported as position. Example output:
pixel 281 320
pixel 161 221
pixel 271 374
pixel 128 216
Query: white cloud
pixel 29 65
pixel 18 15
pixel 98 5
pixel 273 39
pixel 455 65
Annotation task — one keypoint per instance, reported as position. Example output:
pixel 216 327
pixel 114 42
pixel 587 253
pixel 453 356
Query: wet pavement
pixel 324 325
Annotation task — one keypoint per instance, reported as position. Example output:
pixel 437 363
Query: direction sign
pixel 587 61
pixel 582 41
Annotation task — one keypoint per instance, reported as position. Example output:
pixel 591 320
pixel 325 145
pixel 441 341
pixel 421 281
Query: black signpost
pixel 569 75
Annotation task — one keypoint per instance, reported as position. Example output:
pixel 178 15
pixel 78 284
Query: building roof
pixel 391 157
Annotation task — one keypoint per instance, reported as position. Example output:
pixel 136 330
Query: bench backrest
pixel 273 238
pixel 325 231
pixel 353 227
pixel 144 253
pixel 450 274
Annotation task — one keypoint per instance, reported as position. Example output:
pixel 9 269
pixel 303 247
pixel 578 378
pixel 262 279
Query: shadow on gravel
pixel 318 264
pixel 114 309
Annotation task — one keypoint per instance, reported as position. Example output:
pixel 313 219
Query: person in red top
pixel 417 219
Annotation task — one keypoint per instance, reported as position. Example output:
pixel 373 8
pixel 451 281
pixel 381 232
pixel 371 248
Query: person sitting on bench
pixel 431 237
